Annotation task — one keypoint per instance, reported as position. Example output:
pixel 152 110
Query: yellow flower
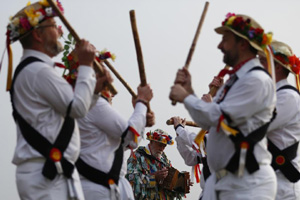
pixel 113 57
pixel 33 17
pixel 15 21
pixel 269 38
pixel 29 3
pixel 33 21
pixel 103 51
pixel 44 3
pixel 230 20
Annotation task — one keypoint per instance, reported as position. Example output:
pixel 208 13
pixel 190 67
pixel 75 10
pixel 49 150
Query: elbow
pixel 79 110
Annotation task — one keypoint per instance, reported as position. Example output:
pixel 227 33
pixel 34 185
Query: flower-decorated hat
pixel 247 28
pixel 161 136
pixel 284 55
pixel 22 24
pixel 28 18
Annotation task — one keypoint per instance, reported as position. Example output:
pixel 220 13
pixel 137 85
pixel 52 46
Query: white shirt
pixel 184 142
pixel 284 131
pixel 101 130
pixel 249 103
pixel 42 97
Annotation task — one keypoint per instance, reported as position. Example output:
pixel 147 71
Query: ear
pixel 37 35
pixel 244 44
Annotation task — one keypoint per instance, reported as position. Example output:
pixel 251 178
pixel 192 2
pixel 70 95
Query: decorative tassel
pixel 297 82
pixel 199 138
pixel 197 172
pixel 228 130
pixel 136 134
pixel 242 160
pixel 270 60
pixel 114 190
pixel 10 68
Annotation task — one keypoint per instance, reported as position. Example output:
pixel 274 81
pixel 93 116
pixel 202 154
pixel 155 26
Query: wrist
pixel 178 125
pixel 141 101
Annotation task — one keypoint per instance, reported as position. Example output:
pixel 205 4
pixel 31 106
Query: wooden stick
pixel 138 51
pixel 187 123
pixel 138 48
pixel 212 91
pixel 120 78
pixel 193 46
pixel 97 66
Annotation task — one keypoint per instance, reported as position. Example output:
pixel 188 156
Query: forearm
pixel 83 92
pixel 203 113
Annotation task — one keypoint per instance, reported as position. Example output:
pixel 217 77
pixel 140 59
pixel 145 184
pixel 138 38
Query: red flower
pixel 155 136
pixel 259 31
pixel 295 64
pixel 70 57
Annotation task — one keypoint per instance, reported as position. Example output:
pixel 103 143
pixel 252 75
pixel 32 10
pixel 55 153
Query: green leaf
pixel 66 53
pixel 68 42
pixel 70 37
pixel 67 47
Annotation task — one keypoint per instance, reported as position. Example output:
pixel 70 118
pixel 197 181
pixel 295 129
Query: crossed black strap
pixel 288 87
pixel 52 152
pixel 99 177
pixel 282 158
pixel 250 140
pixel 239 139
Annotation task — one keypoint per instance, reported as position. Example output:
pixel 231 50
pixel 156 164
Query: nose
pixel 220 45
pixel 60 31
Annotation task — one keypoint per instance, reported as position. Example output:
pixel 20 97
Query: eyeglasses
pixel 45 26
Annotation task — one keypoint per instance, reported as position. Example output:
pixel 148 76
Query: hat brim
pixel 159 141
pixel 222 29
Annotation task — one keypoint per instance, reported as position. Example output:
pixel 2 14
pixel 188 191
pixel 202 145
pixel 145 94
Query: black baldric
pixel 251 139
pixel 99 177
pixel 38 141
pixel 281 159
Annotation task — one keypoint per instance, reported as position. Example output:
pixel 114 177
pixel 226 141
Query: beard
pixel 53 48
pixel 157 154
pixel 230 58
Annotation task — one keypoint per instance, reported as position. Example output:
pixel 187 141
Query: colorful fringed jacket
pixel 140 166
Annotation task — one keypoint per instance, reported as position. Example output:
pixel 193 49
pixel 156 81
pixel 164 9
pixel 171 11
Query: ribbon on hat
pixel 297 81
pixel 10 62
pixel 270 61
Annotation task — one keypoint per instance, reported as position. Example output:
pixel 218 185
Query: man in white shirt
pixel 237 118
pixel 45 106
pixel 105 135
pixel 284 132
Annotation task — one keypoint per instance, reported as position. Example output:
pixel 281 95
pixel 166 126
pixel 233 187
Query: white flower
pixel 48 11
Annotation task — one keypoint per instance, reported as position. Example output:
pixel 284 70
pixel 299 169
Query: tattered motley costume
pixel 140 167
